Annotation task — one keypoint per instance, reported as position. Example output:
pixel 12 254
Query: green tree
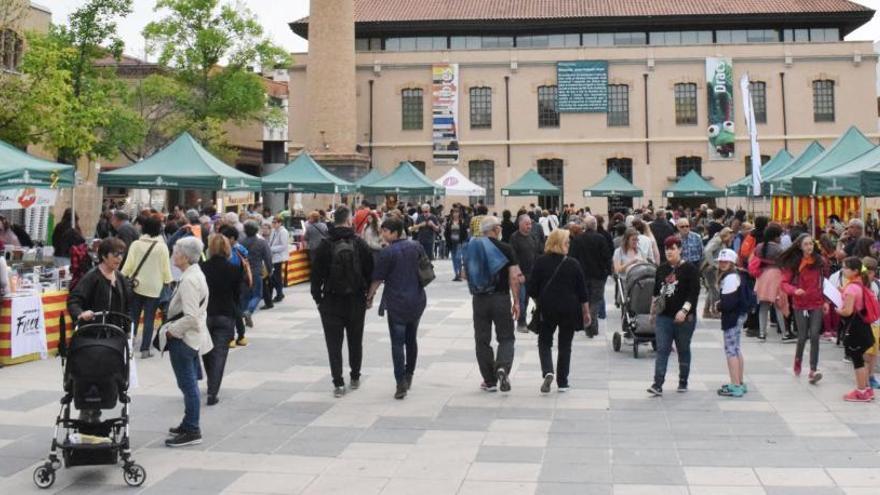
pixel 208 49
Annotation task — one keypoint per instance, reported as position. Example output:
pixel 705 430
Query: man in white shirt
pixel 278 245
pixel 544 222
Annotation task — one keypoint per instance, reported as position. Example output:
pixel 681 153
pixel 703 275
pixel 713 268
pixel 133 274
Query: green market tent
pixel 848 146
pixel 406 179
pixel 183 164
pixel 305 175
pixel 848 179
pixel 743 187
pixel 373 176
pixel 531 184
pixel 813 150
pixel 693 185
pixel 613 185
pixel 19 169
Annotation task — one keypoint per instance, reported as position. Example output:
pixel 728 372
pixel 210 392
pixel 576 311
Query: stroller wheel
pixel 616 341
pixel 134 475
pixel 44 476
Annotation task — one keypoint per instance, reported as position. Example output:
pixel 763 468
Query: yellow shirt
pixel 156 271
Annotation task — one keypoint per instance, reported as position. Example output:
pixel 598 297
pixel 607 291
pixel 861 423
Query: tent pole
pixel 813 223
pixel 862 208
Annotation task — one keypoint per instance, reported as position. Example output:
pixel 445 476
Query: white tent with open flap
pixel 457 184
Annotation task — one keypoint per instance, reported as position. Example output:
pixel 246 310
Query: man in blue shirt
pixel 691 243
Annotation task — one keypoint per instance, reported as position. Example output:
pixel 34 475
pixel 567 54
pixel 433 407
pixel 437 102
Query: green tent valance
pixel 848 146
pixel 305 175
pixel 19 169
pixel 848 179
pixel 813 150
pixel 405 179
pixel 693 185
pixel 183 164
pixel 531 184
pixel 371 177
pixel 613 185
pixel 743 187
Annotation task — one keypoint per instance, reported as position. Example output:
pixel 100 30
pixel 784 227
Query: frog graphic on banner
pixel 721 132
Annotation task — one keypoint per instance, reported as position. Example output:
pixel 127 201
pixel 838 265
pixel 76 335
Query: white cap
pixel 727 255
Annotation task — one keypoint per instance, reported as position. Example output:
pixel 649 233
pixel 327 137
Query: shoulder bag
pixel 534 325
pixel 134 280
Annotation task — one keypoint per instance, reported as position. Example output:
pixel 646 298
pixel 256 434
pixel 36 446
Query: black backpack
pixel 345 269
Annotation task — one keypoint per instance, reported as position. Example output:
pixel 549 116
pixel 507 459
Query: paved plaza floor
pixel 278 428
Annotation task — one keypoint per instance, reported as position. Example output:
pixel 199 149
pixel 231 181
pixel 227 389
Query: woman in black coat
pixel 224 287
pixel 557 285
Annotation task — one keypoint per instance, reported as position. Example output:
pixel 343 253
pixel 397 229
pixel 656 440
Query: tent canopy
pixel 183 164
pixel 848 146
pixel 613 185
pixel 19 169
pixel 406 179
pixel 846 180
pixel 813 150
pixel 370 178
pixel 743 187
pixel 531 184
pixel 693 185
pixel 305 175
pixel 457 184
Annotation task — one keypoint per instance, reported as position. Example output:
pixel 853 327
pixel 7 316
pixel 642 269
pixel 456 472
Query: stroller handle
pixel 104 314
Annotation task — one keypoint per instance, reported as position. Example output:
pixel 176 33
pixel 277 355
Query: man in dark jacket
pixel 592 252
pixel 661 228
pixel 341 274
pixel 125 231
pixel 528 247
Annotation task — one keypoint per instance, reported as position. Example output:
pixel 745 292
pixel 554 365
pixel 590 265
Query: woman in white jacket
pixel 187 336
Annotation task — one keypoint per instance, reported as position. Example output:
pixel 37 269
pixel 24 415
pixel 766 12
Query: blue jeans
pixel 254 296
pixel 523 303
pixel 148 305
pixel 185 362
pixel 455 254
pixel 667 332
pixel 404 348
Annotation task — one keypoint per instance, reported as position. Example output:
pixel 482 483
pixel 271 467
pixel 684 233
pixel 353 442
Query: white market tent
pixel 457 184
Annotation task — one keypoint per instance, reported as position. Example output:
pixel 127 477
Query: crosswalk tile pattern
pixel 278 428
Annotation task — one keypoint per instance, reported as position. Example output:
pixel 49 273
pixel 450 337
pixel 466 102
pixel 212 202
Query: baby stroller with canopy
pixel 96 365
pixel 635 291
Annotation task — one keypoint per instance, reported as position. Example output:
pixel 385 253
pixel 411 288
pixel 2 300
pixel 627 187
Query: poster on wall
pixel 582 86
pixel 17 199
pixel 27 327
pixel 445 113
pixel 719 84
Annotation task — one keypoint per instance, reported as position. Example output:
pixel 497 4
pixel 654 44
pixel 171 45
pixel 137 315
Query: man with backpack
pixel 340 272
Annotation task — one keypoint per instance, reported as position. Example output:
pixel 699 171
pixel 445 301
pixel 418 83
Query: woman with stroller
pixel 557 285
pixel 676 290
pixel 803 273
pixel 103 288
pixel 769 279
pixel 187 335
pixel 628 253
pixel 224 284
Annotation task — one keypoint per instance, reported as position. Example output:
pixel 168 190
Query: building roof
pixel 389 13
pixel 40 7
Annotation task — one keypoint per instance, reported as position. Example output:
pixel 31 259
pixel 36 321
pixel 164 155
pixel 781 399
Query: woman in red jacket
pixel 803 271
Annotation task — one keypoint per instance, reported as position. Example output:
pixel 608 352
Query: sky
pixel 275 14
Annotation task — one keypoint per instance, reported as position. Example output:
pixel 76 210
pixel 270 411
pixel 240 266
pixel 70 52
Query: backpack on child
pixel 871 311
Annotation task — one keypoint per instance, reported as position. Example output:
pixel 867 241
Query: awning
pixel 743 187
pixel 848 146
pixel 693 185
pixel 613 185
pixel 531 184
pixel 370 178
pixel 406 179
pixel 183 164
pixel 457 184
pixel 19 169
pixel 305 175
pixel 848 179
pixel 813 150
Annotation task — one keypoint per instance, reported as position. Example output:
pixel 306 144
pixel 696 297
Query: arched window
pixel 11 49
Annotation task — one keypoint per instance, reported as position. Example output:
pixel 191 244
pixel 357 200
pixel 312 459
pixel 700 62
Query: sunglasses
pixel 118 253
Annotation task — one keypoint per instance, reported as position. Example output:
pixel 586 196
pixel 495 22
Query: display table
pixel 297 269
pixel 54 304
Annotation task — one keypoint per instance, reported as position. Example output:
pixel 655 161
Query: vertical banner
pixel 719 83
pixel 27 327
pixel 749 113
pixel 445 113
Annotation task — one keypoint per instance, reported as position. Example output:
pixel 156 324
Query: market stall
pixel 531 184
pixel 297 269
pixel 693 185
pixel 30 325
pixel 611 186
pixel 743 187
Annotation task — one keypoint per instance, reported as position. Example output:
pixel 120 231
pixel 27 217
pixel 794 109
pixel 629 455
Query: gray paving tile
pixel 648 475
pixel 574 473
pixel 257 439
pixel 31 399
pixel 194 481
pixel 572 489
pixel 644 457
pixel 489 453
pixel 391 435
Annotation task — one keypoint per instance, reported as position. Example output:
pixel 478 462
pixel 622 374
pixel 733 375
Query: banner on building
pixel 582 86
pixel 17 199
pixel 719 84
pixel 27 327
pixel 445 113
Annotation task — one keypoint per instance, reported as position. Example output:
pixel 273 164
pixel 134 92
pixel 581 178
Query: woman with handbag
pixel 149 269
pixel 558 288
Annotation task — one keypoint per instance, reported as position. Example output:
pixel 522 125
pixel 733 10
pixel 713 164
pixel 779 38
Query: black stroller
pixel 635 291
pixel 96 371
